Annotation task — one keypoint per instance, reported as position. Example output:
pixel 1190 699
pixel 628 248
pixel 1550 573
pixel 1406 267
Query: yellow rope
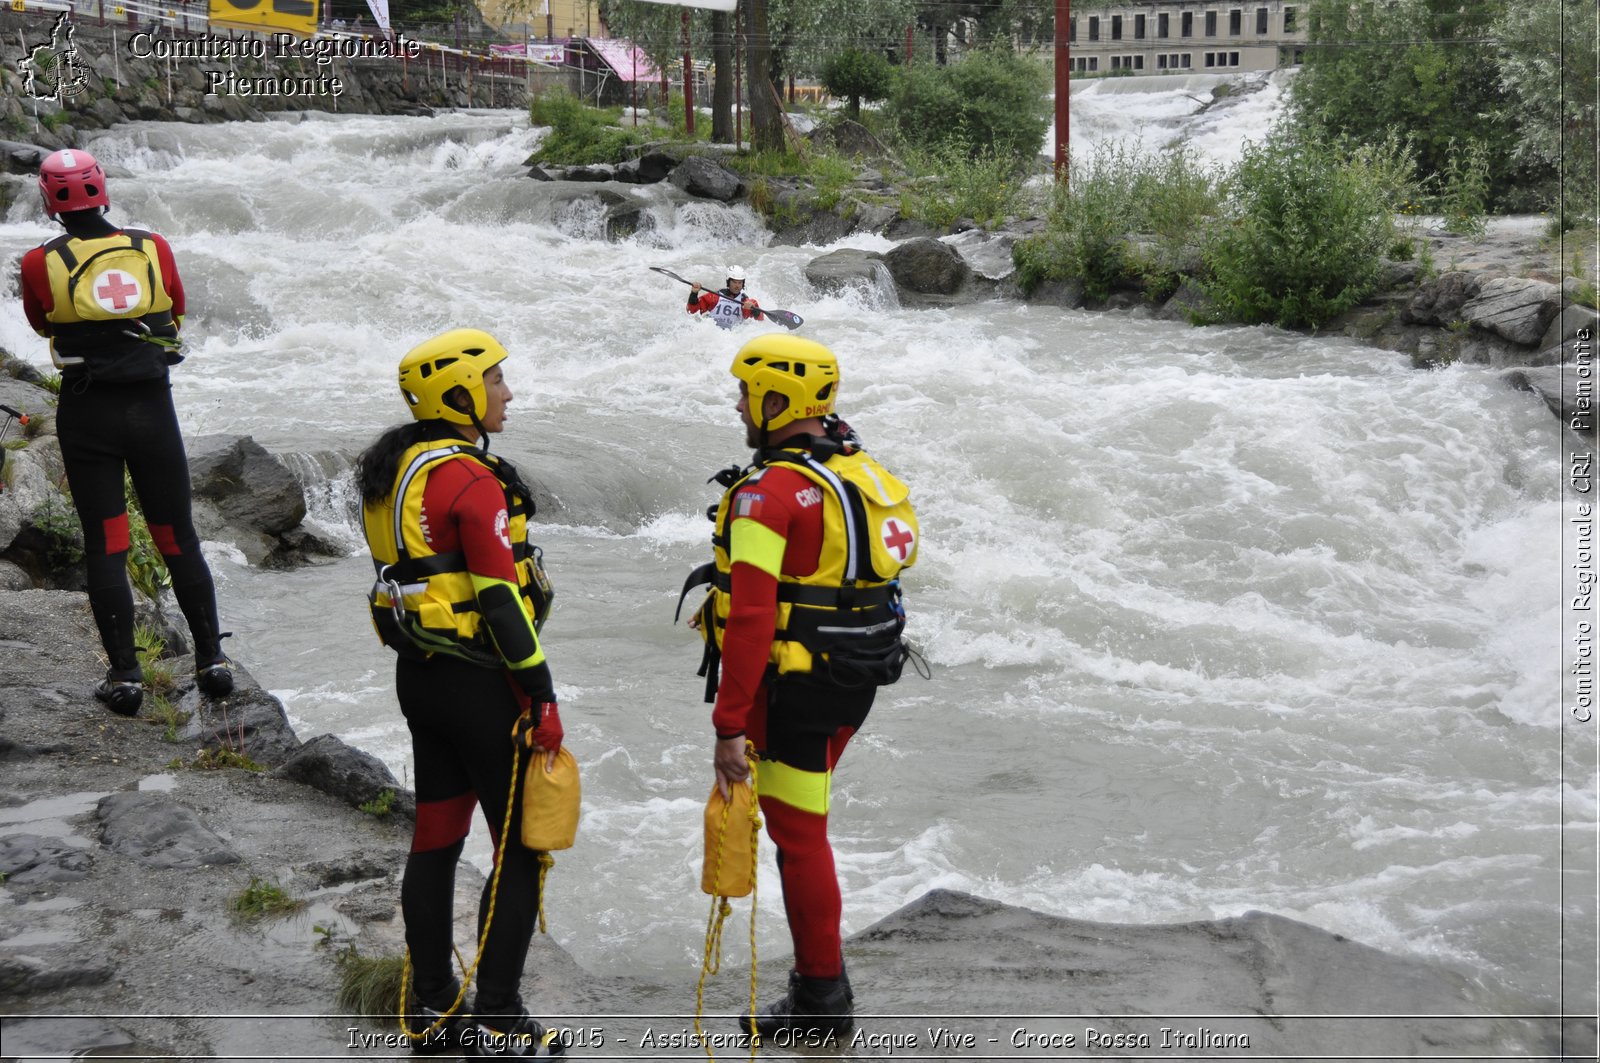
pixel 546 862
pixel 488 919
pixel 721 909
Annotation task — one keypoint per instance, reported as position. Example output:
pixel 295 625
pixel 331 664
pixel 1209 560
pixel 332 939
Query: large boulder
pixel 251 487
pixel 1569 324
pixel 1439 301
pixel 848 268
pixel 707 179
pixel 850 138
pixel 1514 308
pixel 650 168
pixel 1568 393
pixel 354 776
pixel 927 267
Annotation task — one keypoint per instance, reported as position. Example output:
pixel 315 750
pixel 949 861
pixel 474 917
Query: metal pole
pixel 1063 86
pixel 738 75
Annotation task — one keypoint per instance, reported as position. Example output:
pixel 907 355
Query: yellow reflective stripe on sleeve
pixel 482 583
pixel 756 544
pixel 805 790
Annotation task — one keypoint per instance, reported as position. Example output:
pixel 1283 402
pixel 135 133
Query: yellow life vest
pixel 108 297
pixel 842 623
pixel 423 602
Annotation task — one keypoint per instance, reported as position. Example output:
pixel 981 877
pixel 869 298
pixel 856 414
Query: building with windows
pixel 1188 36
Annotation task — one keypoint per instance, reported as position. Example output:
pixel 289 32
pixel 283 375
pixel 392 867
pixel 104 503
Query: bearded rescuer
pixel 802 625
pixel 111 302
pixel 460 596
pixel 728 307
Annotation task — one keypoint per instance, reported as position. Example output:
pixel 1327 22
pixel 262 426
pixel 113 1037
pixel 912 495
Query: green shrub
pixel 1465 189
pixel 991 102
pixel 987 188
pixel 856 76
pixel 1305 227
pixel 579 134
pixel 147 570
pixel 1119 191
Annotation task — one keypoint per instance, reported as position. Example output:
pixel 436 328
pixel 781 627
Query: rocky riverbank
pixel 126 844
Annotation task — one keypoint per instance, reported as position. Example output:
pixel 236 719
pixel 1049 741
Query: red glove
pixel 539 730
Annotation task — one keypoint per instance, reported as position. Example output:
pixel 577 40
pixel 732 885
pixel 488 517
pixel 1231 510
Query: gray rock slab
pixel 28 859
pixel 1514 308
pixel 158 831
pixel 1111 985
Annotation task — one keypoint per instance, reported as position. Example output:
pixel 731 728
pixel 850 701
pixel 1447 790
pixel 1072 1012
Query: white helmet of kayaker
pixel 736 273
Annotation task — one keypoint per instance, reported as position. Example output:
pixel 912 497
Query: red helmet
pixel 72 180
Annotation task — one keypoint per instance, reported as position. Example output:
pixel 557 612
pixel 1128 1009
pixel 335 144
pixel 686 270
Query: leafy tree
pixel 1424 68
pixel 990 102
pixel 1546 69
pixel 857 76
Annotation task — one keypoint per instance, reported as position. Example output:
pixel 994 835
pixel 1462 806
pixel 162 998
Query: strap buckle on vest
pixel 706 573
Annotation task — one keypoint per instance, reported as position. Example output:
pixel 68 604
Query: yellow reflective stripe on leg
pixel 756 544
pixel 805 790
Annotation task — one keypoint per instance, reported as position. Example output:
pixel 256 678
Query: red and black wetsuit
pixel 709 302
pixel 794 721
pixel 460 716
pixel 108 427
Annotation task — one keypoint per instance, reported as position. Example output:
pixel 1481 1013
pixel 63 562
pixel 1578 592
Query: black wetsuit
pixel 104 429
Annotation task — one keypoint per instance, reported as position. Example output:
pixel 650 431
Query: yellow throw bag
pixel 730 869
pixel 550 803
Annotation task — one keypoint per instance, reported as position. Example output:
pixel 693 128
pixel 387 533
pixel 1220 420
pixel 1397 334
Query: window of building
pixel 1094 27
pixel 1261 22
pixel 1235 23
pixel 1072 30
pixel 1186 57
pixel 1211 23
pixel 1138 27
pixel 1161 62
pixel 1233 58
pixel 1188 24
pixel 1138 62
pixel 1299 56
pixel 1116 62
pixel 1211 59
pixel 1161 26
pixel 1288 20
pixel 1094 62
pixel 1116 27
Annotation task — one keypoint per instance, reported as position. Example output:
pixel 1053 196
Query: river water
pixel 1218 619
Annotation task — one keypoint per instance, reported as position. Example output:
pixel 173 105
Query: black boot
pixel 812 1010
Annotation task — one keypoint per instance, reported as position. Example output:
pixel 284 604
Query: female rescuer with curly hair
pixel 460 597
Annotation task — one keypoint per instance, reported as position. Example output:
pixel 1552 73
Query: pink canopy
pixel 626 61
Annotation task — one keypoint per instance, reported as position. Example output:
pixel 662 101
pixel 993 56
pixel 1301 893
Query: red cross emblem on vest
pixel 116 291
pixel 897 537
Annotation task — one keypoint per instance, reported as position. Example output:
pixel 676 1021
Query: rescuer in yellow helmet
pixel 460 596
pixel 802 625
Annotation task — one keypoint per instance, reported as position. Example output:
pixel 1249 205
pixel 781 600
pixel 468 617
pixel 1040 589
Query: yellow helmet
pixel 458 358
pixel 803 371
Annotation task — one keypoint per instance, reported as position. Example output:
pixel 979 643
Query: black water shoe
pixel 430 1033
pixel 512 1035
pixel 122 690
pixel 215 679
